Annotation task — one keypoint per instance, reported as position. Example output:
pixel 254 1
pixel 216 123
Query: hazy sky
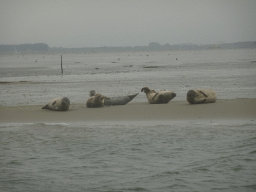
pixel 95 23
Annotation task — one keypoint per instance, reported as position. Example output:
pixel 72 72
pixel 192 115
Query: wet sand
pixel 230 73
pixel 174 110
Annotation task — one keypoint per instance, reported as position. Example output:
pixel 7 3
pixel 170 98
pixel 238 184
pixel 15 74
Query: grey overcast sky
pixel 96 23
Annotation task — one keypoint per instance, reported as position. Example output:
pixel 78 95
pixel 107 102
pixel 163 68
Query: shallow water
pixel 129 156
pixel 231 73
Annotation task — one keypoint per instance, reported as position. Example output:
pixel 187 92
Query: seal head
pixel 96 101
pixel 92 93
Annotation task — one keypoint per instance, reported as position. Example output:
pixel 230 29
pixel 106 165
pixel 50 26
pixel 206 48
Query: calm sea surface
pixel 127 156
pixel 170 156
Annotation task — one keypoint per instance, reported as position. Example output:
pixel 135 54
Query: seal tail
pixel 45 107
pixel 131 97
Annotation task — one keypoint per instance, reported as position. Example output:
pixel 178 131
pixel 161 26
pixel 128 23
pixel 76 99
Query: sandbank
pixel 174 110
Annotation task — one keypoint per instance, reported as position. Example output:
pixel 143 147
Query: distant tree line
pixel 153 46
pixel 24 48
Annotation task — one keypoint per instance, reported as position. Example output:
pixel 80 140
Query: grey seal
pixel 58 104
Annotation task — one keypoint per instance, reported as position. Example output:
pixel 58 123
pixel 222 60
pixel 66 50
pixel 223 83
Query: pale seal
pixel 58 104
pixel 95 101
pixel 160 97
pixel 119 100
pixel 199 96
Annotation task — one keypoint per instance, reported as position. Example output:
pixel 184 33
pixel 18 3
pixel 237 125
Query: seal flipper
pixel 203 93
pixel 202 101
pixel 131 97
pixel 45 107
pixel 54 102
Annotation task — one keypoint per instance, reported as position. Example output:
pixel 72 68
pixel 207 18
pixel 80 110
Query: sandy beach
pixel 174 110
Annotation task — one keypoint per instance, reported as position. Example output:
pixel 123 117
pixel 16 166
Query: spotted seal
pixel 160 97
pixel 119 100
pixel 96 101
pixel 58 104
pixel 199 96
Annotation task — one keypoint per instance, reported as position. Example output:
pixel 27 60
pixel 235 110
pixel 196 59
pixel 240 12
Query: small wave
pixel 8 125
pixel 176 186
pixel 250 186
pixel 163 174
pixel 62 124
pixel 137 189
pixel 17 125
pixel 171 173
pixel 252 152
pixel 137 124
pixel 249 160
pixel 14 162
pixel 230 124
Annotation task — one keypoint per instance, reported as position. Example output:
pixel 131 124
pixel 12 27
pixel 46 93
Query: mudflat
pixel 137 111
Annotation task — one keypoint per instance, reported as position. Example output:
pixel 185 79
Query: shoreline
pixel 223 109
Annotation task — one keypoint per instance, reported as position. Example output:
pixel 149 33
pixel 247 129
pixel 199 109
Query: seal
pixel 95 101
pixel 92 93
pixel 58 104
pixel 119 100
pixel 199 96
pixel 160 97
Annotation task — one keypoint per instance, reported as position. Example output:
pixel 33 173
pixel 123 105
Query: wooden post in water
pixel 61 64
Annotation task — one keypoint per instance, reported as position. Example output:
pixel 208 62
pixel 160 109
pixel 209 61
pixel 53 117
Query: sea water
pixel 128 156
pixel 135 155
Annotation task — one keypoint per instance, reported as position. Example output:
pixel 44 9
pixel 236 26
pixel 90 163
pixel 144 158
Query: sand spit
pixel 174 110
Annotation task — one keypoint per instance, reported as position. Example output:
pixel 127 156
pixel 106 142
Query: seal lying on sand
pixel 158 97
pixel 95 101
pixel 201 96
pixel 121 100
pixel 58 104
